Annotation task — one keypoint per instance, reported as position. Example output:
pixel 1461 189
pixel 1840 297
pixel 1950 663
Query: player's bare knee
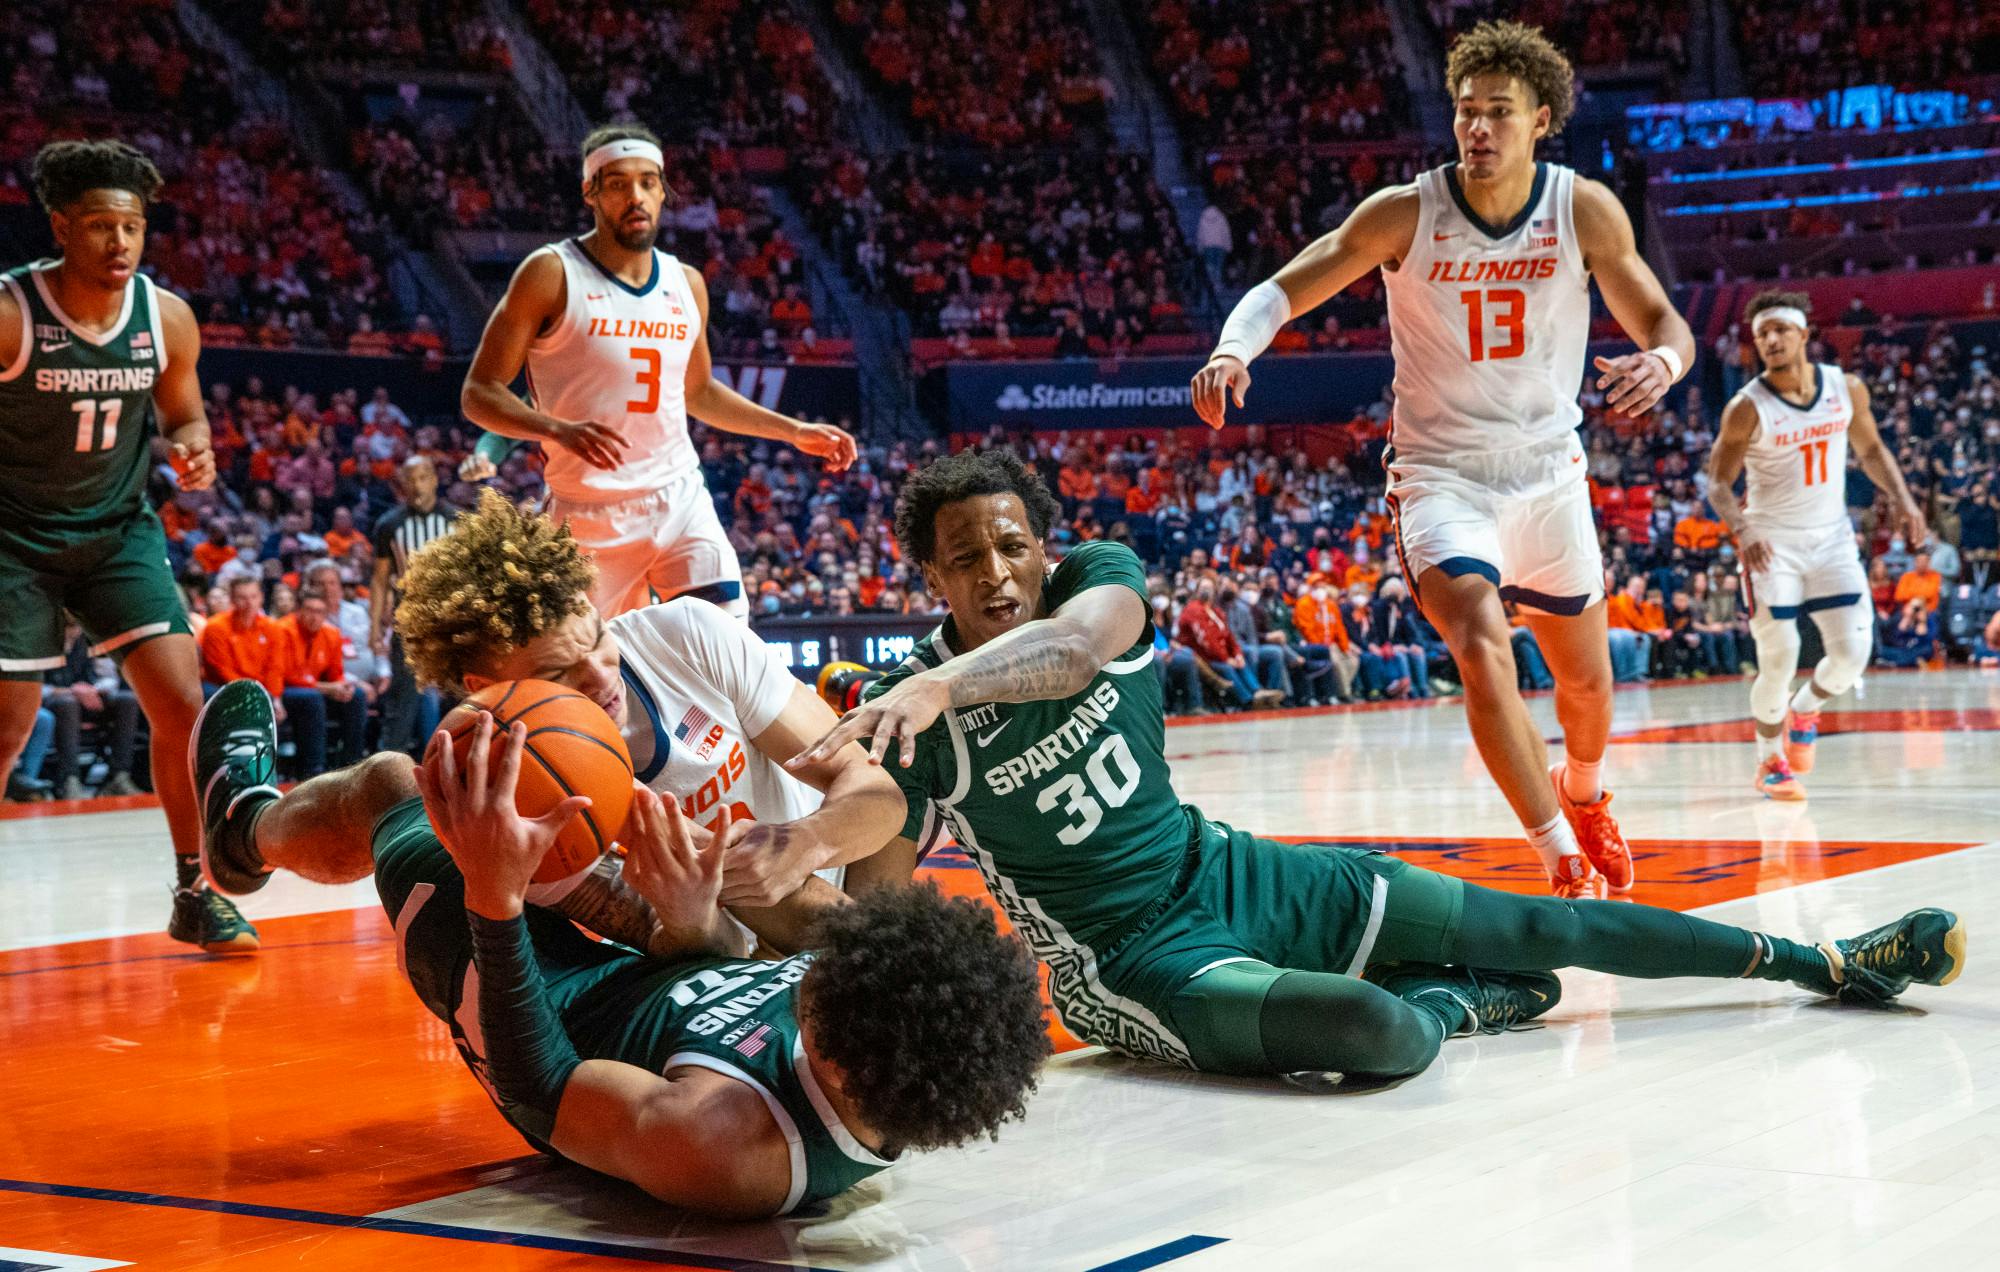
pixel 381 782
pixel 1486 661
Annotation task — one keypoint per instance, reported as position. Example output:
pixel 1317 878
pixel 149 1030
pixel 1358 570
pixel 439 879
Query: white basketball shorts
pixel 667 542
pixel 1519 518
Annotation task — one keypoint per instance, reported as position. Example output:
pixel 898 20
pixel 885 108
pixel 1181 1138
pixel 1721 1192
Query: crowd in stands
pixel 247 228
pixel 1000 74
pixel 1798 50
pixel 742 70
pixel 455 34
pixel 1603 36
pixel 1085 248
pixel 1281 73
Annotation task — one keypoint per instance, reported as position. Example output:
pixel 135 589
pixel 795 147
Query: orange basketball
pixel 573 749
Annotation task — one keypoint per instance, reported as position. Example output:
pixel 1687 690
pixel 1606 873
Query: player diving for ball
pixel 1030 725
pixel 1788 433
pixel 729 1085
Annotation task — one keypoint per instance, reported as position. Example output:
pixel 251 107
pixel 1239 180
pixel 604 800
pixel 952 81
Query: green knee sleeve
pixel 1251 1018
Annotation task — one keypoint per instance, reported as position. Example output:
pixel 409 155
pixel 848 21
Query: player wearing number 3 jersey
pixel 1789 433
pixel 612 333
pixel 1029 726
pixel 1487 263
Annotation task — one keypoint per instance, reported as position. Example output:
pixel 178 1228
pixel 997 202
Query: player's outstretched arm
pixel 1376 233
pixel 1632 384
pixel 699 1139
pixel 1864 438
pixel 1725 464
pixel 862 809
pixel 177 394
pixel 713 402
pixel 535 298
pixel 1046 659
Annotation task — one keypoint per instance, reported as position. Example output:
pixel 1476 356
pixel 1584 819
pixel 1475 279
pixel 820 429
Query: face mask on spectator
pixel 1896 544
pixel 1251 596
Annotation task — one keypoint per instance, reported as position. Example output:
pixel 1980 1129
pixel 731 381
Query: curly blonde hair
pixel 497 581
pixel 1521 52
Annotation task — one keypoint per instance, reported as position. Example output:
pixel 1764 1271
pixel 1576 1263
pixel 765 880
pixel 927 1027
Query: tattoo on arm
pixel 1026 666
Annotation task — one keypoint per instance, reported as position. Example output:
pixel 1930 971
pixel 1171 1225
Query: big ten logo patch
pixel 705 803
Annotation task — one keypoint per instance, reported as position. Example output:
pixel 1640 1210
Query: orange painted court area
pixel 306 1089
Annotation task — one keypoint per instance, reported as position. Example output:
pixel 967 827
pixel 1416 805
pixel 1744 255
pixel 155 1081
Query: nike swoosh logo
pixel 596 296
pixel 1439 238
pixel 984 738
pixel 1539 995
pixel 55 348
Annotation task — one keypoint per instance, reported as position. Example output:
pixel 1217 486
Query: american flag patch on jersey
pixel 1542 231
pixel 756 1041
pixel 142 340
pixel 692 732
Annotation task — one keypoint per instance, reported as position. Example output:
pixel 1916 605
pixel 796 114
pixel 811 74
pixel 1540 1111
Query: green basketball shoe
pixel 204 917
pixel 1494 1002
pixel 233 761
pixel 1924 947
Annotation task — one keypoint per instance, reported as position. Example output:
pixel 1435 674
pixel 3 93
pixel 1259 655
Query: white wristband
pixel 1671 356
pixel 1254 323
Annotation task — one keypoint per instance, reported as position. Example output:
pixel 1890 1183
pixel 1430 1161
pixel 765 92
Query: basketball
pixel 573 749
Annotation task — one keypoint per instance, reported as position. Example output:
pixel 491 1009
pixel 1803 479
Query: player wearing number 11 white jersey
pixel 1488 264
pixel 612 333
pixel 1789 433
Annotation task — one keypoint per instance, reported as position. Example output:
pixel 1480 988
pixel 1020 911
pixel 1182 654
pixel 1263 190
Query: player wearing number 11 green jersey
pixel 1029 725
pixel 92 356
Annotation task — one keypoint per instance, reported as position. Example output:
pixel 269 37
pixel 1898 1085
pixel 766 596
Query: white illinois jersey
pixel 1795 472
pixel 619 356
pixel 1488 323
pixel 707 684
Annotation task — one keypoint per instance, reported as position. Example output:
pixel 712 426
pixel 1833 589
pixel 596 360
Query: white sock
pixel 1770 746
pixel 1807 700
pixel 1553 840
pixel 1582 782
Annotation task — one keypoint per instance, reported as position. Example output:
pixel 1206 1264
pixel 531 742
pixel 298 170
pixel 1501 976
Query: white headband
pixel 613 151
pixel 1779 313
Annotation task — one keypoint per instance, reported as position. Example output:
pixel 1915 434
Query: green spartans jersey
pixel 1066 806
pixel 738 1018
pixel 735 1016
pixel 74 413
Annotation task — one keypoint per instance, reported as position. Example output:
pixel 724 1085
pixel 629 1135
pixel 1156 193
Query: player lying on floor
pixel 731 1086
pixel 505 596
pixel 1030 724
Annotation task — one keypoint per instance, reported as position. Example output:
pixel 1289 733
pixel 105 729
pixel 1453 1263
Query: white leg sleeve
pixel 1777 660
pixel 1849 636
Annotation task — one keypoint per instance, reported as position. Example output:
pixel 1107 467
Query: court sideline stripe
pixel 415 1228
pixel 1159 1254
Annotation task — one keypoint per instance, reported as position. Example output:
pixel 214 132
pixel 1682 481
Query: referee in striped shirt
pixel 408 717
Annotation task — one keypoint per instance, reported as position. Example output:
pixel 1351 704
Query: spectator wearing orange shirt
pixel 316 685
pixel 1077 482
pixel 341 536
pixel 1698 532
pixel 1631 640
pixel 243 643
pixel 1922 582
pixel 1317 616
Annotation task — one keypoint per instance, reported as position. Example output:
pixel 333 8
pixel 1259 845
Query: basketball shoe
pixel 1800 740
pixel 1775 780
pixel 1574 880
pixel 202 916
pixel 1925 947
pixel 233 761
pixel 1597 834
pixel 1494 1002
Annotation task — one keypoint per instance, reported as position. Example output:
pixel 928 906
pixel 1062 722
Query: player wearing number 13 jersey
pixel 1789 433
pixel 612 334
pixel 1487 264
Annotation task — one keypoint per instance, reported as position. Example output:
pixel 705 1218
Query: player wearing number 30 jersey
pixel 1487 263
pixel 612 333
pixel 1789 433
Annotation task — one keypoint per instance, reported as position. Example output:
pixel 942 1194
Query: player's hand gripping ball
pixel 572 749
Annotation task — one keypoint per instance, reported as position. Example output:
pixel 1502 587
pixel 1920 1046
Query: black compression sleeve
pixel 528 1056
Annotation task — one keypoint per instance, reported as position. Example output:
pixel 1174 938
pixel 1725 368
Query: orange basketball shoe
pixel 1800 740
pixel 1776 781
pixel 1575 881
pixel 1597 834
